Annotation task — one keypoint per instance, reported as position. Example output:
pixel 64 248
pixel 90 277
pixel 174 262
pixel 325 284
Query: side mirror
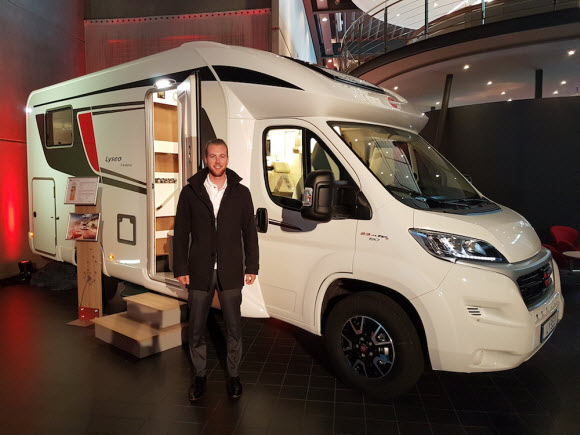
pixel 317 196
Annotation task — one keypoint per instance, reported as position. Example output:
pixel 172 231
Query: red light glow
pixel 13 200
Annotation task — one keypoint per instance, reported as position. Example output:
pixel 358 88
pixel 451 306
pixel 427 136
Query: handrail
pixel 410 21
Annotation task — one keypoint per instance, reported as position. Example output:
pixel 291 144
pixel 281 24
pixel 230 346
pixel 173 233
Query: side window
pixel 292 153
pixel 59 127
pixel 284 165
pixel 321 158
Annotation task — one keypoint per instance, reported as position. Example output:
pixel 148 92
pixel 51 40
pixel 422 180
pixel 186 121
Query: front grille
pixel 535 285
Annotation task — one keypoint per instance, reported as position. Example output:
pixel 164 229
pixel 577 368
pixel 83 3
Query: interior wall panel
pixel 41 43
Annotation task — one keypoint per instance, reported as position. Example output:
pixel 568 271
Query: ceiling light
pixel 325 19
pixel 164 83
pixel 509 99
pixel 465 66
pixel 571 52
pixel 555 92
pixel 395 88
pixel 503 92
pixel 422 113
pixel 437 103
pixel 563 82
pixel 398 15
pixel 489 83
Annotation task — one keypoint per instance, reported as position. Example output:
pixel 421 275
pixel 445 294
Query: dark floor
pixel 59 379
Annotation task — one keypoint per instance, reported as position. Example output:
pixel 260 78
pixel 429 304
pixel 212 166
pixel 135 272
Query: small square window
pixel 59 127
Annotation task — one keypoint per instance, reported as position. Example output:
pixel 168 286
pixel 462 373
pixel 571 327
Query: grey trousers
pixel 199 303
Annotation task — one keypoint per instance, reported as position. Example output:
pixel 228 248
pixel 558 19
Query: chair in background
pixel 565 238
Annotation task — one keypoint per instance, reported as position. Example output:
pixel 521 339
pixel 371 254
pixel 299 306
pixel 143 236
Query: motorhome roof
pixel 289 89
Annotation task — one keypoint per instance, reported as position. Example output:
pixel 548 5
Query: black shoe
pixel 234 387
pixel 197 389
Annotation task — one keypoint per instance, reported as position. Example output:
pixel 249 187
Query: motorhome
pixel 368 236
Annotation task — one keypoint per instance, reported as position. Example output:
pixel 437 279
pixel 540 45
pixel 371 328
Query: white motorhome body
pixel 456 272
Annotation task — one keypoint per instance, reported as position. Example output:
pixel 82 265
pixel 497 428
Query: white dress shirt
pixel 215 196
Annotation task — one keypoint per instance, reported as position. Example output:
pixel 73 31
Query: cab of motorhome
pixel 367 234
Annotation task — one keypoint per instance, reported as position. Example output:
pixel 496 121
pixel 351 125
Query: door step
pixel 151 324
pixel 156 310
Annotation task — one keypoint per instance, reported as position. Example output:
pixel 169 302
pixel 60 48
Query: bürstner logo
pixel 113 159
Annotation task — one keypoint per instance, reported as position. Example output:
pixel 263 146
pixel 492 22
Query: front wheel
pixel 373 345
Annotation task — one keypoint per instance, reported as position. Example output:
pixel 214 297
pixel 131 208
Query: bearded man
pixel 215 248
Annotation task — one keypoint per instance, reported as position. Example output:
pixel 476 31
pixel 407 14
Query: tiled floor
pixel 59 379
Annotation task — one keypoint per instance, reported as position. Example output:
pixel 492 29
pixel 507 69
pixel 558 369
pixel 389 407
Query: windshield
pixel 411 169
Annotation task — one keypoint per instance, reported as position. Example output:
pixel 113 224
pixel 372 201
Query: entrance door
pixel 297 255
pixel 175 153
pixel 44 215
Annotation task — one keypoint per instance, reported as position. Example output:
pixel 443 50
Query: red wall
pixel 41 43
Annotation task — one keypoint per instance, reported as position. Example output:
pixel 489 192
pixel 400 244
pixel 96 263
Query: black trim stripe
pixel 150 82
pixel 122 185
pixel 242 75
pixel 127 103
pixel 105 112
pixel 225 73
pixel 116 174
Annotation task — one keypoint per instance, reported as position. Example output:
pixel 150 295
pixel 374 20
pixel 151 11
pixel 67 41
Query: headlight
pixel 452 247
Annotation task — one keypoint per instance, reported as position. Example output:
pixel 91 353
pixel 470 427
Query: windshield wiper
pixel 428 199
pixel 410 192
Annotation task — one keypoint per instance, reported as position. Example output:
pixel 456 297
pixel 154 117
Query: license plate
pixel 549 325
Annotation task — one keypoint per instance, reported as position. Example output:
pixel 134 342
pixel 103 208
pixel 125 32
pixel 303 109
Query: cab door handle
pixel 262 220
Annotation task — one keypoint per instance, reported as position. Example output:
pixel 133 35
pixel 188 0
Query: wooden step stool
pixel 151 324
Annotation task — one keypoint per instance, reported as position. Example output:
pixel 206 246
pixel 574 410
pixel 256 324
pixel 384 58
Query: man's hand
pixel 183 280
pixel 250 278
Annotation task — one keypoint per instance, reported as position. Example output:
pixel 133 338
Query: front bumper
pixel 477 321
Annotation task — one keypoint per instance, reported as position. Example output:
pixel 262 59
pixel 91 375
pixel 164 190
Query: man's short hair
pixel 216 142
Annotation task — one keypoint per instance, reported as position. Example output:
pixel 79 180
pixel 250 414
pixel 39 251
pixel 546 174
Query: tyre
pixel 373 345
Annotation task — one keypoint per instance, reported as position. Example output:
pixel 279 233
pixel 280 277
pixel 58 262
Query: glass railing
pixel 410 21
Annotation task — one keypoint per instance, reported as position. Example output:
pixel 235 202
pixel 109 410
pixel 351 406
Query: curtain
pixel 114 41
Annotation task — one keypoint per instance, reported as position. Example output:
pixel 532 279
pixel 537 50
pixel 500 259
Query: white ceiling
pixel 511 71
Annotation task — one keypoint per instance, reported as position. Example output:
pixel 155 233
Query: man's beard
pixel 215 173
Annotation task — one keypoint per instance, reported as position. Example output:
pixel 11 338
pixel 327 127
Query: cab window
pixel 291 153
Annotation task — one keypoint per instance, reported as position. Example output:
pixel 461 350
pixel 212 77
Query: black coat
pixel 235 241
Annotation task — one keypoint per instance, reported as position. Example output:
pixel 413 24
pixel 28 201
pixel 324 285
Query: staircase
pixel 151 324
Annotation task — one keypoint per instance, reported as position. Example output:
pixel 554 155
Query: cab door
pixel 297 255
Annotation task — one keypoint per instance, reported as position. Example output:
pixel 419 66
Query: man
pixel 214 216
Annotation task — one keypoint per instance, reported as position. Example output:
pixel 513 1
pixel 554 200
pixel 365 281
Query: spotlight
pixel 563 82
pixel 489 83
pixel 395 88
pixel 503 92
pixel 555 92
pixel 25 268
pixel 465 66
pixel 571 52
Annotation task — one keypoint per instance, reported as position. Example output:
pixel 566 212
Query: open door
pixel 175 154
pixel 44 215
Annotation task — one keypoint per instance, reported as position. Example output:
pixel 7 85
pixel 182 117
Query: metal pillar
pixel 426 19
pixel 539 80
pixel 443 113
pixel 385 28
